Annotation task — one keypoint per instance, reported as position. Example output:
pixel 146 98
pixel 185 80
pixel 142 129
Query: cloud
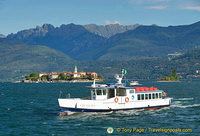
pixel 107 22
pixel 157 7
pixel 147 1
pixel 196 8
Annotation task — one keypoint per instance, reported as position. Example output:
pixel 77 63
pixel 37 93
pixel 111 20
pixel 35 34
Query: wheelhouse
pixel 108 92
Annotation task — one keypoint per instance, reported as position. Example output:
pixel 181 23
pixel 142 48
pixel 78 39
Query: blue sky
pixel 16 15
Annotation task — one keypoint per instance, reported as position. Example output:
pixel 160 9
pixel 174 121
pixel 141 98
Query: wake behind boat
pixel 115 97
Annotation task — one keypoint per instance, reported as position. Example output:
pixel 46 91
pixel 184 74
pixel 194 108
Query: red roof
pixel 138 89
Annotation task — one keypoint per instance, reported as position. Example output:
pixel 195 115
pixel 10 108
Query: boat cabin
pixel 122 93
pixel 131 93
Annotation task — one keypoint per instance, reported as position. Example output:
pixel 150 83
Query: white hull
pixel 79 105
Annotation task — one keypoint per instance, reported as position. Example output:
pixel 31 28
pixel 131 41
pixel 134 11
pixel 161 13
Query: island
pixel 63 77
pixel 170 78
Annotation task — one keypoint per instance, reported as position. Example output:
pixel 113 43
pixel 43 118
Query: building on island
pixel 75 74
pixel 42 74
pixel 92 74
pixel 53 75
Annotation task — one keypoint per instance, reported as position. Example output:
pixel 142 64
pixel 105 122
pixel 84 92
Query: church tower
pixel 75 69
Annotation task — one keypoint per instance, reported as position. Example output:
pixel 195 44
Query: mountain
pixel 109 30
pixel 150 41
pixel 71 39
pixel 148 68
pixel 81 42
pixel 16 60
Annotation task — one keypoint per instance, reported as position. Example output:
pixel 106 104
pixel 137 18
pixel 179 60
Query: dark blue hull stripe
pixel 65 109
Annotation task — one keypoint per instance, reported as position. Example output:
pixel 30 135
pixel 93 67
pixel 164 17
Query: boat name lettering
pixel 87 105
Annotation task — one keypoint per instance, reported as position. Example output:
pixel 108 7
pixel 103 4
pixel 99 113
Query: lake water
pixel 32 109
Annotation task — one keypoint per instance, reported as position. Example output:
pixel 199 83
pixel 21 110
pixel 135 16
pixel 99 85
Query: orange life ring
pixel 116 99
pixel 126 99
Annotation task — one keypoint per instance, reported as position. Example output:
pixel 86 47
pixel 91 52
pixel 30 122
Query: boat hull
pixel 65 109
pixel 78 105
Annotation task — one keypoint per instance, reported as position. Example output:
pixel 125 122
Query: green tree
pixel 27 77
pixel 174 73
pixel 62 76
pixel 100 77
pixel 44 78
pixel 34 76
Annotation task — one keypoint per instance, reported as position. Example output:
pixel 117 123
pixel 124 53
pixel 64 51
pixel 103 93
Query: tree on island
pixel 33 76
pixel 100 77
pixel 172 77
pixel 62 76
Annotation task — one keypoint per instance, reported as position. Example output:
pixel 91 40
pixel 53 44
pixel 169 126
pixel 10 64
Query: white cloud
pixel 157 7
pixel 196 8
pixel 107 22
pixel 147 1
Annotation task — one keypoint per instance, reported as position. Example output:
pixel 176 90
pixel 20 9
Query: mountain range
pixel 140 41
pixel 48 48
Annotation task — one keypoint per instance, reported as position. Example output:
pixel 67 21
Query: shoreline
pixel 167 81
pixel 58 81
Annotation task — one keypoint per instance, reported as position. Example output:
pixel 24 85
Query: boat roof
pixel 137 89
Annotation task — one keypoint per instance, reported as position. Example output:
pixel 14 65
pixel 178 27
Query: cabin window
pixel 121 92
pixel 146 96
pixel 153 95
pixel 131 91
pixel 142 96
pixel 156 95
pixel 138 96
pixel 93 92
pixel 111 93
pixel 149 96
pixel 99 92
pixel 160 95
pixel 104 92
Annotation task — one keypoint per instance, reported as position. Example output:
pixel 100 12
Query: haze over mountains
pixel 48 48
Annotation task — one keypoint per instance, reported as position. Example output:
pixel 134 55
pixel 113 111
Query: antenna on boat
pixel 93 85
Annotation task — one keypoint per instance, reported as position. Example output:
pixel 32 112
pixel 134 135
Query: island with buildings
pixel 64 76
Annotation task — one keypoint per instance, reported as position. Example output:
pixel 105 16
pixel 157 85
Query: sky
pixel 16 15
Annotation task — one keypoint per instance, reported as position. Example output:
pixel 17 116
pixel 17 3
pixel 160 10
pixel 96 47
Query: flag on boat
pixel 124 71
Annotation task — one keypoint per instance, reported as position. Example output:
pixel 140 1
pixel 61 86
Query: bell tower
pixel 75 69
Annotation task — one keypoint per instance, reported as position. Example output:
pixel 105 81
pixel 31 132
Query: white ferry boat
pixel 115 97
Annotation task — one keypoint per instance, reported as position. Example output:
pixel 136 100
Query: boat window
pixel 121 92
pixel 99 92
pixel 93 92
pixel 142 96
pixel 104 91
pixel 149 96
pixel 131 91
pixel 153 96
pixel 156 95
pixel 111 93
pixel 138 96
pixel 159 95
pixel 146 96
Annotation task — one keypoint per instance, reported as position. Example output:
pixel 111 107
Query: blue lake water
pixel 32 109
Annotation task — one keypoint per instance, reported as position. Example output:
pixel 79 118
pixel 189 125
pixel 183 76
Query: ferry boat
pixel 115 97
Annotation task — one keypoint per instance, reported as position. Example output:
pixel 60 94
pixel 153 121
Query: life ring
pixel 126 99
pixel 116 99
